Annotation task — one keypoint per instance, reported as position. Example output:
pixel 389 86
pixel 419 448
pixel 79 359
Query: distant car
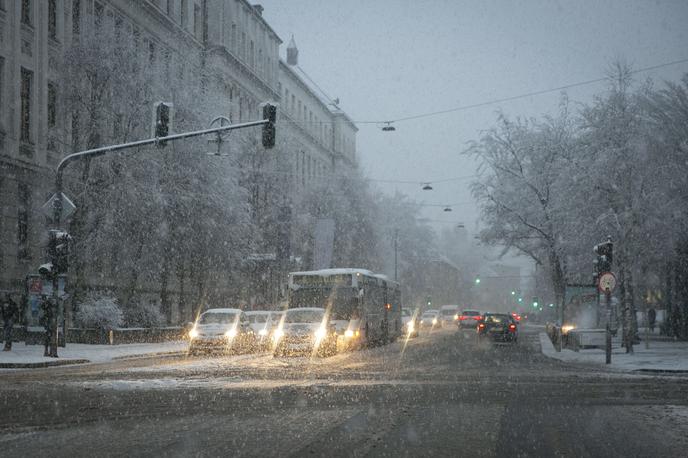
pixel 410 321
pixel 469 319
pixel 499 327
pixel 449 315
pixel 225 330
pixel 430 319
pixel 516 317
pixel 305 331
pixel 260 323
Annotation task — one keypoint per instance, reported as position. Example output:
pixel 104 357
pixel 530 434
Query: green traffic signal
pixel 477 281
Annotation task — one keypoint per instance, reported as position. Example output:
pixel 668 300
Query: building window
pixel 2 84
pixel 170 8
pixel 25 95
pixel 26 12
pixel 76 17
pixel 52 104
pixel 99 11
pixel 233 44
pixel 23 207
pixel 52 19
pixel 185 11
pixel 75 130
pixel 197 31
pixel 151 52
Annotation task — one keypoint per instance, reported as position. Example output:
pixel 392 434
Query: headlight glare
pixel 193 333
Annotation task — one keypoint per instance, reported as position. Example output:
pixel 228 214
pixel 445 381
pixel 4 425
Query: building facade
pixel 224 45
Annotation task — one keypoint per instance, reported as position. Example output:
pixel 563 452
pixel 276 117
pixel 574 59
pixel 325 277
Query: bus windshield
pixel 342 302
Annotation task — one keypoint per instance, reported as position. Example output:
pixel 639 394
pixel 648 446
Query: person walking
pixel 9 310
pixel 46 321
pixel 651 319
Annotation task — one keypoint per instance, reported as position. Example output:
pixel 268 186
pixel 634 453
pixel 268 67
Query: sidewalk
pixel 661 357
pixel 31 356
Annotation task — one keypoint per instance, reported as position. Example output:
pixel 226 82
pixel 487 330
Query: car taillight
pixel 481 326
pixel 512 327
pixel 462 318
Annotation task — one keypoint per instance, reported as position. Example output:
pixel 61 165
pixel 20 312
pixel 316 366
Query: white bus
pixel 365 307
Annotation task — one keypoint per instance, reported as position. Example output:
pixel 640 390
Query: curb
pixel 38 365
pixel 150 355
pixel 661 371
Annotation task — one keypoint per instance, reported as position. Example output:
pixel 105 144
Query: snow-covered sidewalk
pixel 662 356
pixel 30 356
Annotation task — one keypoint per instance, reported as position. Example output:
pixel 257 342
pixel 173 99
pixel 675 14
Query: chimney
pixel 259 9
pixel 292 52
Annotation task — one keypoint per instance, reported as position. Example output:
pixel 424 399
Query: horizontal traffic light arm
pixel 150 141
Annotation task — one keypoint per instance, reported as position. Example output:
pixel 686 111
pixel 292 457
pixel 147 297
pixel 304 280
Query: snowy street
pixel 443 392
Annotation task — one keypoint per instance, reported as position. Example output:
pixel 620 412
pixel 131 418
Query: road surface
pixel 442 394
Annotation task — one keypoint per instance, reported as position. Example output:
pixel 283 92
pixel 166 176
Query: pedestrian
pixel 651 319
pixel 46 321
pixel 9 314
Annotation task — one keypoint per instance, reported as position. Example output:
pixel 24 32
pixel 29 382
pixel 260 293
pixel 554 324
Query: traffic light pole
pixel 58 205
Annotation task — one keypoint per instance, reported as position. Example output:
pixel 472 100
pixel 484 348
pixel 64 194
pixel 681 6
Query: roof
pixel 223 310
pixel 327 272
pixel 307 309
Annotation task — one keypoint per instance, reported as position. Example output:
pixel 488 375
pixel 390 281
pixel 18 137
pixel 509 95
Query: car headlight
pixel 409 326
pixel 231 333
pixel 349 333
pixel 434 321
pixel 278 334
pixel 456 317
pixel 193 333
pixel 320 333
pixel 263 332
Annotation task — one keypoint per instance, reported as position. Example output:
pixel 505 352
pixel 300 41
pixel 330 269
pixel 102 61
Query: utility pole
pixel 608 330
pixel 396 253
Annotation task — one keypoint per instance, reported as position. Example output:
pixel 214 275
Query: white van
pixel 449 315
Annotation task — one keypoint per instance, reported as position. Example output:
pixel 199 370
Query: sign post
pixel 607 283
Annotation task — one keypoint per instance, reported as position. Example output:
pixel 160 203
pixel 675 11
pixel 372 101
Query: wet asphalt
pixel 441 394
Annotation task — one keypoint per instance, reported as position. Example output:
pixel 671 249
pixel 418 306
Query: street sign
pixel 67 207
pixel 607 282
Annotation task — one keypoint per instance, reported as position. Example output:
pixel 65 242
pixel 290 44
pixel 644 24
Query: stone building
pixel 225 45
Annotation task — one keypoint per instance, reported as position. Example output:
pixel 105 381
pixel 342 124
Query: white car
pixel 224 329
pixel 430 319
pixel 262 326
pixel 305 331
pixel 449 315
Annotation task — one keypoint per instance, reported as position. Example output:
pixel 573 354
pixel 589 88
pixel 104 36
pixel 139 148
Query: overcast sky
pixel 390 59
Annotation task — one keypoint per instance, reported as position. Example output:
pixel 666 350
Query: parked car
pixel 469 319
pixel 430 319
pixel 226 330
pixel 305 331
pixel 499 327
pixel 449 315
pixel 410 321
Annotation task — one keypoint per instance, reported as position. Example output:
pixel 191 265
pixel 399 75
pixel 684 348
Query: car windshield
pixel 175 173
pixel 304 316
pixel 258 318
pixel 218 318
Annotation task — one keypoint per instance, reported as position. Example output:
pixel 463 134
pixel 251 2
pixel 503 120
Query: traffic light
pixel 58 254
pixel 477 281
pixel 513 293
pixel 536 303
pixel 269 114
pixel 428 301
pixel 605 255
pixel 162 125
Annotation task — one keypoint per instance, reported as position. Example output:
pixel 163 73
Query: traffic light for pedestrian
pixel 162 125
pixel 270 115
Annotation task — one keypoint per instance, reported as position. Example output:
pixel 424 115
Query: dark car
pixel 500 327
pixel 469 319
